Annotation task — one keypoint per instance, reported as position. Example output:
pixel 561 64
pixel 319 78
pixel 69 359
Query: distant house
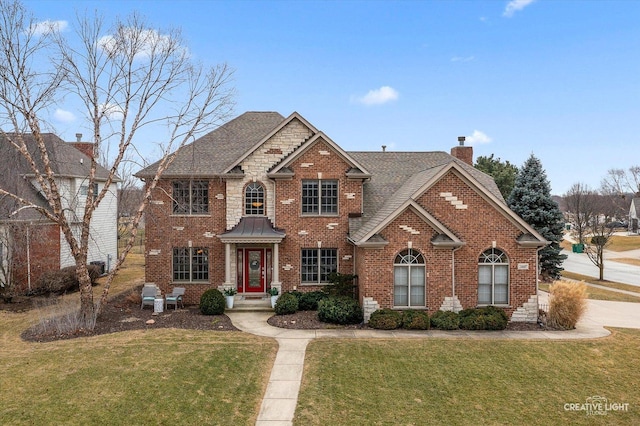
pixel 634 211
pixel 267 201
pixel 30 243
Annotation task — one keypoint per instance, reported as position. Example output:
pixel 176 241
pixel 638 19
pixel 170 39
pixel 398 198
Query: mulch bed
pixel 123 314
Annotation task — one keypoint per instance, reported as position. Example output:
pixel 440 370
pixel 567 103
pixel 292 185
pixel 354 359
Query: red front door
pixel 254 271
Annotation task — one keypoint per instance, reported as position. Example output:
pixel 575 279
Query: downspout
pixel 453 272
pixel 28 259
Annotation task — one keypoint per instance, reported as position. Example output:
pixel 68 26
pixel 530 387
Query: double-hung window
pixel 493 278
pixel 190 197
pixel 190 264
pixel 409 279
pixel 318 264
pixel 319 197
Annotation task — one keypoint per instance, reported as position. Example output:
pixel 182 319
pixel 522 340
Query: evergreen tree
pixel 504 174
pixel 531 200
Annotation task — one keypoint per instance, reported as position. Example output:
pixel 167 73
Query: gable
pixel 325 153
pixel 441 191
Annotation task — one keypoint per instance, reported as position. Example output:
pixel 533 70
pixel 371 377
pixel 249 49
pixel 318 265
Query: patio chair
pixel 174 298
pixel 148 295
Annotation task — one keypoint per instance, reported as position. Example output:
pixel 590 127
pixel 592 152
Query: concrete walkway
pixel 280 400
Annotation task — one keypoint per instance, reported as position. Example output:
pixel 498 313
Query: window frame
pixel 410 259
pixel 320 197
pixel 194 265
pixel 192 199
pixel 493 258
pixel 325 262
pixel 254 193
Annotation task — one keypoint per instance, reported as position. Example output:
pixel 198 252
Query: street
pixel 613 271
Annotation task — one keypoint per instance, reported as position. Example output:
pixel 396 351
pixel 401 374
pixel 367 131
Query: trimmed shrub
pixel 212 302
pixel 297 294
pixel 63 280
pixel 385 319
pixel 340 285
pixel 567 303
pixel 309 301
pixel 340 310
pixel 485 318
pixel 415 320
pixel 286 304
pixel 445 320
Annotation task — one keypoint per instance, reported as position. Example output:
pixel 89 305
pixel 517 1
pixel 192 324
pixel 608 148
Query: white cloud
pixel 515 5
pixel 112 112
pixel 47 26
pixel 462 58
pixel 378 96
pixel 64 116
pixel 142 42
pixel 478 137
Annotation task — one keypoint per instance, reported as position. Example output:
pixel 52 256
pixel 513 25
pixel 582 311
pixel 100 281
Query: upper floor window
pixel 84 190
pixel 190 197
pixel 319 197
pixel 493 278
pixel 409 279
pixel 254 199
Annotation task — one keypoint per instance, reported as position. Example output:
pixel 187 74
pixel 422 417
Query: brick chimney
pixel 85 147
pixel 461 152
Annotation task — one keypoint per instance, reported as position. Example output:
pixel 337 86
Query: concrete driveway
pixel 602 313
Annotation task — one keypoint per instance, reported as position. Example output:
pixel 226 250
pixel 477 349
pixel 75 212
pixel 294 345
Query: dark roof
pixel 215 152
pixel 254 229
pixel 66 161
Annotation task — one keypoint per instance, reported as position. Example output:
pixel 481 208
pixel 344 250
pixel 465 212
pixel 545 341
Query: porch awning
pixel 253 229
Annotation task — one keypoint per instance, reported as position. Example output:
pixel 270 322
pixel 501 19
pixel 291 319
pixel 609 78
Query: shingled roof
pixel 215 152
pixel 66 161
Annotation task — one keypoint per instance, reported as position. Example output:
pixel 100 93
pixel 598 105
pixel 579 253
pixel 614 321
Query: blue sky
pixel 559 79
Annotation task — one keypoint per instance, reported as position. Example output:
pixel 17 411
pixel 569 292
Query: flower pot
pixel 273 301
pixel 229 301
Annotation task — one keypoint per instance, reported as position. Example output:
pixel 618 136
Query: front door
pixel 254 271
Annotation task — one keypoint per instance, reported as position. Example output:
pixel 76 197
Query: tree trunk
pixel 87 308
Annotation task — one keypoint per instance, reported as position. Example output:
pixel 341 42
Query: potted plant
pixel 273 291
pixel 229 294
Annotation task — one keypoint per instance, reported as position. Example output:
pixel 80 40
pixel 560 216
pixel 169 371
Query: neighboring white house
pixel 633 215
pixel 32 244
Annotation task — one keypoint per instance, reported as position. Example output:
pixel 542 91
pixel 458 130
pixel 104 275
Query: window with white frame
pixel 493 278
pixel 254 199
pixel 317 264
pixel 190 264
pixel 190 197
pixel 84 190
pixel 319 197
pixel 409 279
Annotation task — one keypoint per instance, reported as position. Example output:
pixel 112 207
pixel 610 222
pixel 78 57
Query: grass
pixel 166 376
pixel 468 382
pixel 592 280
pixel 627 260
pixel 595 293
pixel 617 243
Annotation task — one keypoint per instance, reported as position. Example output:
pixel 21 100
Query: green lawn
pixel 468 382
pixel 165 376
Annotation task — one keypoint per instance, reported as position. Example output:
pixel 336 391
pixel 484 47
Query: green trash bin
pixel 577 248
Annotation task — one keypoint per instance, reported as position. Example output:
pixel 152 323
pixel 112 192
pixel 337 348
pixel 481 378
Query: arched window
pixel 409 279
pixel 493 278
pixel 254 199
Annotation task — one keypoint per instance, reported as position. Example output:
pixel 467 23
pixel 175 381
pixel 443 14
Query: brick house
pixel 267 201
pixel 29 242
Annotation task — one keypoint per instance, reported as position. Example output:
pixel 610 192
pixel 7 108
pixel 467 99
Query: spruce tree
pixel 531 200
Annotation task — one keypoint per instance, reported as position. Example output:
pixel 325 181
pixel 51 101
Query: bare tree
pixel 581 205
pixel 128 79
pixel 600 237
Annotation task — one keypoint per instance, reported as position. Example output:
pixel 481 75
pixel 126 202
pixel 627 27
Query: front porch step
pixel 257 303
